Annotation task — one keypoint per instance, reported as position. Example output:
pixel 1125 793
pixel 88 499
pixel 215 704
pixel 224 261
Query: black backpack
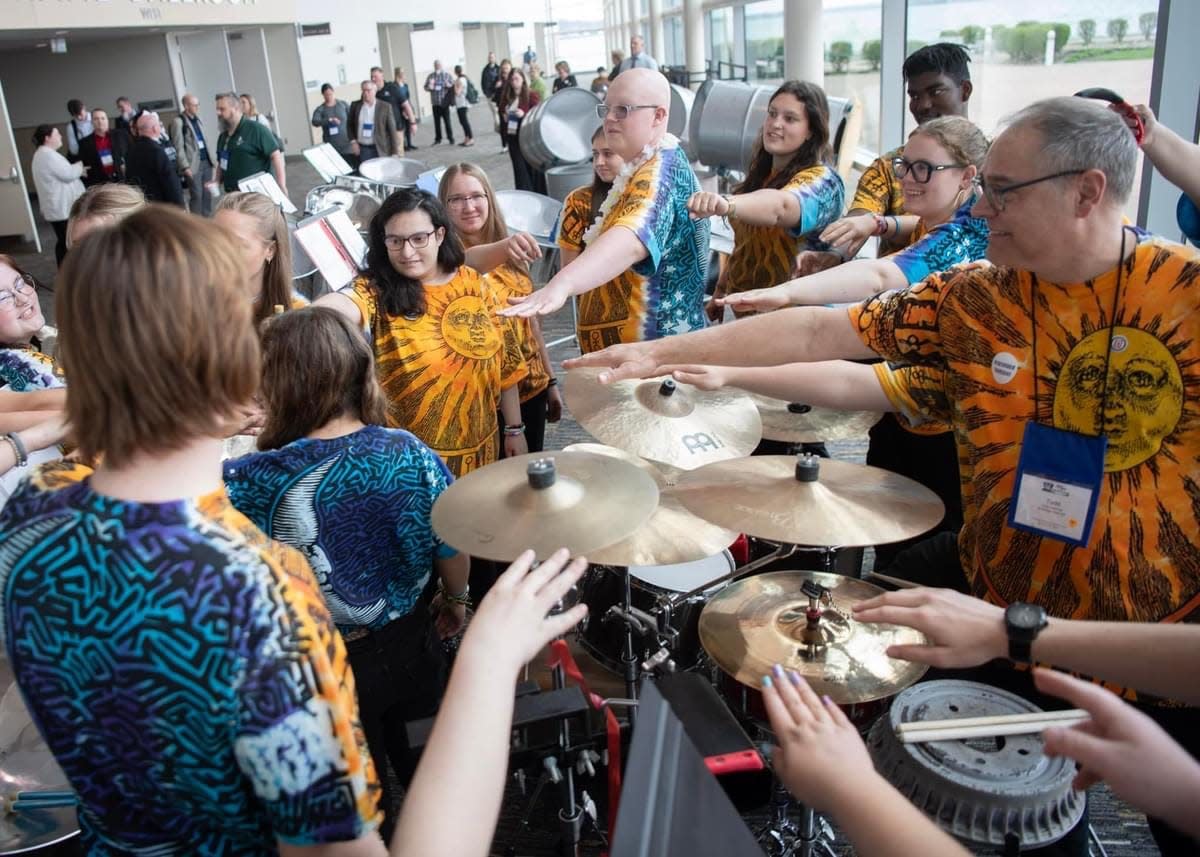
pixel 472 93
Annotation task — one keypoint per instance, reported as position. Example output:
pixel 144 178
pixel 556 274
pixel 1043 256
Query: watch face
pixel 1025 616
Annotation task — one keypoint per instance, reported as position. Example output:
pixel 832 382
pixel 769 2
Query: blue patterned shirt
pixel 358 507
pixel 183 670
pixel 653 205
pixel 23 369
pixel 962 238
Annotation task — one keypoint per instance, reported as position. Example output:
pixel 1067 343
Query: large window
pixel 852 41
pixel 673 50
pixel 721 36
pixel 1086 43
pixel 764 41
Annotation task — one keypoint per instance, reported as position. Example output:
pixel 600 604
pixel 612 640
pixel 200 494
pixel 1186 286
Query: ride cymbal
pixel 796 422
pixel 755 623
pixel 662 421
pixel 672 535
pixel 843 504
pixel 544 501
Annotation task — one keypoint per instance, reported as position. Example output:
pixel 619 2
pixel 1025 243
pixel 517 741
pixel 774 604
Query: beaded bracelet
pixel 463 597
pixel 18 448
pixel 515 430
pixel 880 225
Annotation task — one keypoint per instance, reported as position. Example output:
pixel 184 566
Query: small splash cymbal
pixel 845 504
pixel 796 422
pixel 544 501
pixel 659 420
pixel 672 535
pixel 755 623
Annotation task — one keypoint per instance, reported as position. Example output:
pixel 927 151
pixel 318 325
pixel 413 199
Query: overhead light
pixel 58 46
pixel 61 32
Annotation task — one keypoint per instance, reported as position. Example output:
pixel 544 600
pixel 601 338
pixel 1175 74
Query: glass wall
pixel 673 53
pixel 851 36
pixel 720 35
pixel 1072 44
pixel 764 41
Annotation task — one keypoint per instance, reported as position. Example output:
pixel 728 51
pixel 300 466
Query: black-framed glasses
pixel 922 171
pixel 418 240
pixel 24 284
pixel 620 112
pixel 995 194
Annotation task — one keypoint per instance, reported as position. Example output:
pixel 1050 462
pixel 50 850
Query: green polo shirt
pixel 245 152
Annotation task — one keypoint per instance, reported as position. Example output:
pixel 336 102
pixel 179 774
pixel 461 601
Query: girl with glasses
pixel 438 345
pixel 791 193
pixel 471 203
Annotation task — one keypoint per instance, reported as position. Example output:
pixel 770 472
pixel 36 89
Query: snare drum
pixel 651 587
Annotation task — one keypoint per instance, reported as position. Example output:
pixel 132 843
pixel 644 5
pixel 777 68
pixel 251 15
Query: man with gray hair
pixel 638 58
pixel 148 164
pixel 1066 370
pixel 195 160
pixel 244 148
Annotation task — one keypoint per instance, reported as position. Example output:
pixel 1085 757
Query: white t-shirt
pixel 366 123
pixel 460 92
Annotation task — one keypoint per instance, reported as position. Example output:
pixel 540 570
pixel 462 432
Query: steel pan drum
pixel 360 207
pixel 392 172
pixel 561 180
pixel 682 100
pixel 727 118
pixel 529 212
pixel 559 130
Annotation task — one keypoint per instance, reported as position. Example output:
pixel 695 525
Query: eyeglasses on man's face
pixel 620 112
pixel 996 195
pixel 23 285
pixel 921 171
pixel 418 240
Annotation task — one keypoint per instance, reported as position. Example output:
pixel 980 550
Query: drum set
pixel 657 507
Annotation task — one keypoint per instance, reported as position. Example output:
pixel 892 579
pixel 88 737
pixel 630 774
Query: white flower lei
pixel 668 141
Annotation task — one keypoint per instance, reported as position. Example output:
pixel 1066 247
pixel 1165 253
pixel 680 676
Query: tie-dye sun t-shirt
pixel 879 192
pixel 520 341
pixel 968 337
pixel 442 372
pixel 184 671
pixel 763 256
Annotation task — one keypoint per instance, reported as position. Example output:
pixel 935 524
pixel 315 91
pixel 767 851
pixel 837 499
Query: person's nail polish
pixel 825 699
pixel 778 670
pixel 766 681
pixel 796 678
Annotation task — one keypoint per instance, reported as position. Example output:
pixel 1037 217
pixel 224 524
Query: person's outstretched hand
pixel 1126 749
pixel 544 301
pixel 514 623
pixel 850 233
pixel 962 631
pixel 702 377
pixel 821 758
pixel 626 360
pixel 756 300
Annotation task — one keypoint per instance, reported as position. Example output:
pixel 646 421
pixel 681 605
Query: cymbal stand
pixel 782 836
pixel 637 621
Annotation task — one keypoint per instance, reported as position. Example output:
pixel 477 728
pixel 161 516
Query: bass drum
pixel 651 586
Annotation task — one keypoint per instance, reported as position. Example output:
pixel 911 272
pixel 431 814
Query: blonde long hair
pixel 277 272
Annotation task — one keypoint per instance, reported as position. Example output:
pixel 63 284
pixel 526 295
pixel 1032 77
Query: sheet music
pixel 351 240
pixel 265 184
pixel 325 250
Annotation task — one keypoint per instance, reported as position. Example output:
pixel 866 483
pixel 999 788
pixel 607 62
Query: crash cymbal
pixel 796 422
pixel 662 474
pixel 847 505
pixel 26 764
pixel 544 501
pixel 672 535
pixel 659 420
pixel 755 623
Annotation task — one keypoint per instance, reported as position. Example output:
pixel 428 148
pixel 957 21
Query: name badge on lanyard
pixel 513 123
pixel 223 159
pixel 1059 479
pixel 334 130
pixel 200 143
pixel 106 157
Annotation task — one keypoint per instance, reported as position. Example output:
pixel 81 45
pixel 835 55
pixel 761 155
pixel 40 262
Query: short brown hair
pixel 163 348
pixel 271 227
pixel 316 366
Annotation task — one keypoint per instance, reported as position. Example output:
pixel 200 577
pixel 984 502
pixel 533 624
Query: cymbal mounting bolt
pixel 541 473
pixel 808 467
pixel 667 388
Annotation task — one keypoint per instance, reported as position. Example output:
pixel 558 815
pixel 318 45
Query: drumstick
pixel 894 581
pixel 984 727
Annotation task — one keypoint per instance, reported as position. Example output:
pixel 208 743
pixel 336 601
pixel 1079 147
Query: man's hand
pixel 544 301
pixel 705 204
pixel 701 377
pixel 627 360
pixel 449 618
pixel 756 300
pixel 1126 749
pixel 962 631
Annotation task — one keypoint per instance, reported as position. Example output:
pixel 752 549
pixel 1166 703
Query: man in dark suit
pixel 150 167
pixel 103 151
pixel 372 127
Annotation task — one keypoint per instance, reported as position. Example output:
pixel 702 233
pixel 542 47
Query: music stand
pixel 327 161
pixel 265 184
pixel 671 806
pixel 333 245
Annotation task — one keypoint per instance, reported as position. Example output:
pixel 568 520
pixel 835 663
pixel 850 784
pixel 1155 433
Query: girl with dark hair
pixel 516 100
pixel 58 182
pixel 326 437
pixel 790 194
pixel 603 314
pixel 471 203
pixel 439 347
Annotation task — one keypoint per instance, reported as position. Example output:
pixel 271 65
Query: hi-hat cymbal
pixel 848 505
pixel 672 535
pixel 755 623
pixel 796 422
pixel 659 420
pixel 544 501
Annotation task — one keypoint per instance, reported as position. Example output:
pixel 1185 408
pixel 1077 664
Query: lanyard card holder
pixel 1059 479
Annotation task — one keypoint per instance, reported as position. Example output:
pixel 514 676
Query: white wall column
pixel 658 44
pixel 620 36
pixel 693 40
pixel 803 42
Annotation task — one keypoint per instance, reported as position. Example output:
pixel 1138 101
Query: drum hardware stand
pixel 784 837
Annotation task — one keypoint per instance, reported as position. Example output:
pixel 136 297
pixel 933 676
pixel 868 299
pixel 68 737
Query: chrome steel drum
pixel 727 118
pixel 392 172
pixel 561 180
pixel 325 195
pixel 525 211
pixel 682 100
pixel 559 130
pixel 650 587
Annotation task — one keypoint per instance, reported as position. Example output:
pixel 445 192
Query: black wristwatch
pixel 1023 622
